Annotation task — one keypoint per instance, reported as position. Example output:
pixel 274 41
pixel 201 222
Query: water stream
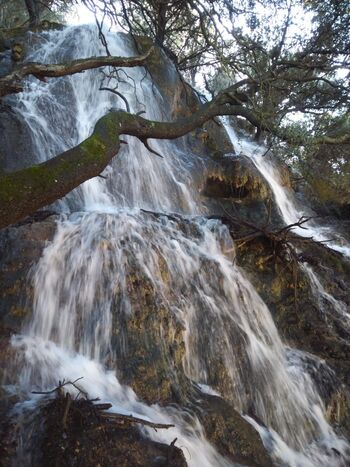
pixel 291 212
pixel 82 281
pixel 290 209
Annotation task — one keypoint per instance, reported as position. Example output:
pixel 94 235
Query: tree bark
pixel 33 9
pixel 12 83
pixel 24 191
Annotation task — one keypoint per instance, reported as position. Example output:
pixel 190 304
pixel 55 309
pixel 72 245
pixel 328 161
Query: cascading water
pixel 82 289
pixel 291 213
pixel 288 207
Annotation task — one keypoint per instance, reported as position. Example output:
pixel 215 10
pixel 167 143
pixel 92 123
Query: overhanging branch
pixel 12 83
pixel 25 191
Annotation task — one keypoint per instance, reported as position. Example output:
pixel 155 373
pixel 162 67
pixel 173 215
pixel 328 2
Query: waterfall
pixel 82 282
pixel 289 209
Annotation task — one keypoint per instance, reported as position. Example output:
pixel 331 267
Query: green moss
pixel 94 146
pixel 13 186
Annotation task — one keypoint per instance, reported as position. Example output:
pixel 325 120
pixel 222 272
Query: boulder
pixel 232 435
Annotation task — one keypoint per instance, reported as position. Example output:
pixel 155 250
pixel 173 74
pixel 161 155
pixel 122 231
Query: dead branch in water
pixel 61 385
pixel 60 394
pixel 122 419
pixel 98 410
pixel 284 242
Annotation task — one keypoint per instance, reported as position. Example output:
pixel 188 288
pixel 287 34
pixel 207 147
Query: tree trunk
pixel 33 8
pixel 27 190
pixel 161 23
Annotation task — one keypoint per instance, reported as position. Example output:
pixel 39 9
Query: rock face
pixel 182 101
pixel 152 367
pixel 232 434
pixel 235 178
pixel 16 141
pixel 20 247
pixel 305 315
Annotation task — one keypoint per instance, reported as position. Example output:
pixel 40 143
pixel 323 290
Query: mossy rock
pixel 304 322
pixel 150 359
pixel 234 437
pixel 338 409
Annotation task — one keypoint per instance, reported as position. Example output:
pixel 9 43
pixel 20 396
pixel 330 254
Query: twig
pixel 117 93
pixel 61 385
pixel 130 419
pixel 66 410
pixel 147 146
pixel 171 450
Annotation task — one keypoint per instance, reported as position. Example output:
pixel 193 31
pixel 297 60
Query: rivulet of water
pixel 290 210
pixel 105 233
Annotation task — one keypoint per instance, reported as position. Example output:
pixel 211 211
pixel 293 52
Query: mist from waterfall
pixel 81 283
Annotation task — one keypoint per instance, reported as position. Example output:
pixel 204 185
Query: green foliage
pixel 12 13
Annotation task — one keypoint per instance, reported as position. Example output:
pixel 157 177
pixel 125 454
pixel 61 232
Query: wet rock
pixel 236 178
pixel 305 319
pixel 16 142
pixel 149 344
pixel 338 409
pixel 5 61
pixel 233 436
pixel 20 247
pixel 8 443
pixel 78 436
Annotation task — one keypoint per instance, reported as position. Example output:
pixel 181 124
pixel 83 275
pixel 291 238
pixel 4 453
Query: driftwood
pixel 99 410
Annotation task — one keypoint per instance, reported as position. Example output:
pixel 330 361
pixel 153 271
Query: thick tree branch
pixel 25 191
pixel 12 83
